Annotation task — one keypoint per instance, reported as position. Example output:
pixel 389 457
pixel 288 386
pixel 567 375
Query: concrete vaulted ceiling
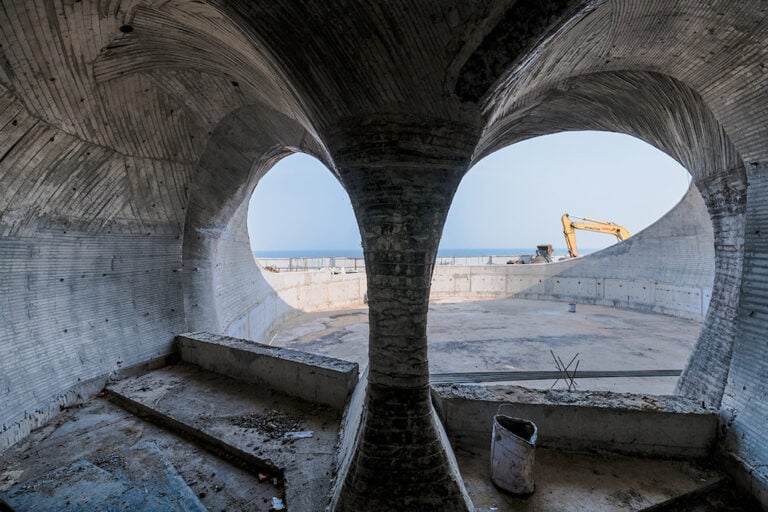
pixel 132 133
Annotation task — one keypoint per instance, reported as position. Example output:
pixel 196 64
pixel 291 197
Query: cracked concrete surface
pixel 208 407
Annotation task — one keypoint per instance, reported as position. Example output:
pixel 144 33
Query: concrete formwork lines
pixel 396 101
pixel 401 215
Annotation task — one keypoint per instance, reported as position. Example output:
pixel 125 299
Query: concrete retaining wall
pixel 582 421
pixel 283 295
pixel 668 268
pixel 552 282
pixel 319 290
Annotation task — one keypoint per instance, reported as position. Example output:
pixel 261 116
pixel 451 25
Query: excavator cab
pixel 544 252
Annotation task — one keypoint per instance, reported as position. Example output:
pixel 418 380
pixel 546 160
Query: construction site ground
pixel 142 449
pixel 517 335
pixel 99 456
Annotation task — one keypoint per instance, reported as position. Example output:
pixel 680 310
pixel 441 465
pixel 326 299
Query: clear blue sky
pixel 512 199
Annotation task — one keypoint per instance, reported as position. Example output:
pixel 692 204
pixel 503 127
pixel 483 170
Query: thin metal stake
pixel 573 376
pixel 570 378
pixel 557 365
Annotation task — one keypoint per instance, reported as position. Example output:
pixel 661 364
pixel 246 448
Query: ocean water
pixel 358 253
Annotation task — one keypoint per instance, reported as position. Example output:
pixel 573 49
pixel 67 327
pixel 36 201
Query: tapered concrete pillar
pixel 401 180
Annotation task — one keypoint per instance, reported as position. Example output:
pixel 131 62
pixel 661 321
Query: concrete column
pixel 401 180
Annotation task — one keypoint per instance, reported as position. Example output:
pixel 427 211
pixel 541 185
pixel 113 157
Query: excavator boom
pixel 586 224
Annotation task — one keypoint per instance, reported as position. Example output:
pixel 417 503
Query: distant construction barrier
pixel 312 263
pixel 578 281
pixel 302 264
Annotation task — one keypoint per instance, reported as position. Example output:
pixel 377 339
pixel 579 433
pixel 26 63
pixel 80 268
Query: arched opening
pixel 306 243
pixel 513 198
pixel 518 194
pixel 300 217
pixel 638 306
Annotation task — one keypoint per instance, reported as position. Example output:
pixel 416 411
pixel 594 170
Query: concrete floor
pixel 496 335
pixel 516 334
pixel 208 406
pixel 572 482
pixel 104 434
pixel 203 427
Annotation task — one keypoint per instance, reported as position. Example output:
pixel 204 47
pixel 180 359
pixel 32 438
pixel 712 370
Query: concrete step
pixel 101 432
pixel 320 379
pixel 225 415
pixel 140 478
pixel 582 421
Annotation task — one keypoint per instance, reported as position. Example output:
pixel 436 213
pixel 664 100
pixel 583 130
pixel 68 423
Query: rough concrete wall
pixel 251 302
pixel 97 155
pixel 225 291
pixel 667 268
pixel 311 377
pixel 744 413
pixel 582 421
pixel 90 279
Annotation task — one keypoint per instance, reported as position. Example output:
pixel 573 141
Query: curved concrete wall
pixel 90 282
pixel 287 294
pixel 667 268
pixel 225 291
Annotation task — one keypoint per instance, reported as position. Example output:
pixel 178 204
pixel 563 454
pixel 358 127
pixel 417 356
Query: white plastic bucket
pixel 512 453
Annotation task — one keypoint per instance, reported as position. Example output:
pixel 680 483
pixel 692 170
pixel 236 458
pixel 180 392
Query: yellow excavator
pixel 598 226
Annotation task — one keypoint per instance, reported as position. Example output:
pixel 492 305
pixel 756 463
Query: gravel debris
pixel 273 424
pixel 110 462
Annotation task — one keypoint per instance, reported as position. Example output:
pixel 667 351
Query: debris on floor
pixel 8 478
pixel 248 423
pixel 292 436
pixel 273 424
pixel 277 504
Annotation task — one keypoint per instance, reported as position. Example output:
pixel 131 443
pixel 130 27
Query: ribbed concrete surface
pixel 667 268
pixel 137 130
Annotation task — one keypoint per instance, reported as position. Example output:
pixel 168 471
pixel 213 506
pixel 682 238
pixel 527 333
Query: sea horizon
pixel 442 253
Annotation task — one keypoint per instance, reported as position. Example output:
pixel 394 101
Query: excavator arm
pixel 597 226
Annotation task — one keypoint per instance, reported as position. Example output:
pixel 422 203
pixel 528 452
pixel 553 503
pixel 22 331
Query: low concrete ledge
pixel 640 425
pixel 316 378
